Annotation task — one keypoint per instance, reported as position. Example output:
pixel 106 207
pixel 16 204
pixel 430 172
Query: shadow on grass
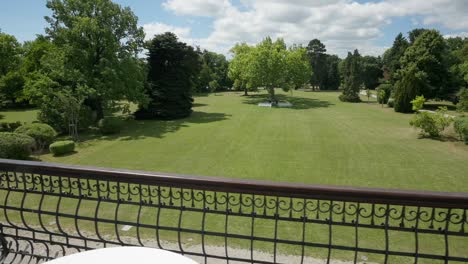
pixel 441 138
pixel 140 129
pixel 299 103
pixel 435 105
pixel 66 155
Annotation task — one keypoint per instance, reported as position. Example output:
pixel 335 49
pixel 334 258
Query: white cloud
pixel 454 35
pixel 342 25
pixel 155 28
pixel 197 7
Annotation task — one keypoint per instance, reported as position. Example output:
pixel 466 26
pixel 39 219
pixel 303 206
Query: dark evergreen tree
pixel 409 85
pixel 371 71
pixel 173 68
pixel 214 68
pixel 429 54
pixel 352 74
pixel 415 33
pixel 332 80
pixel 316 51
pixel 392 56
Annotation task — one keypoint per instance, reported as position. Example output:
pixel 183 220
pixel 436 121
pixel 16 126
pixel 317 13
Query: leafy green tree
pixel 352 72
pixel 392 56
pixel 100 41
pixel 219 66
pixel 214 86
pixel 415 33
pixel 173 67
pixel 34 51
pixel 267 66
pixel 214 68
pixel 371 71
pixel 332 81
pixel 54 89
pixel 410 84
pixel 11 86
pixel 462 105
pixel 10 53
pixel 458 61
pixel 429 53
pixel 384 92
pixel 11 79
pixel 298 67
pixel 381 95
pixel 204 78
pixel 318 61
pixel 236 71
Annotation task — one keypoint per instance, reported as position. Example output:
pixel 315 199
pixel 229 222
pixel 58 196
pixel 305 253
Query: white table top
pixel 124 255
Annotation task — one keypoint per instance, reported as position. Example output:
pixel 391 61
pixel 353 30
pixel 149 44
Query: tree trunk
pixel 271 92
pixel 245 92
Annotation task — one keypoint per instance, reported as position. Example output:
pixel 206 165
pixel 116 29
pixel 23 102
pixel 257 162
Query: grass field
pixel 23 115
pixel 319 141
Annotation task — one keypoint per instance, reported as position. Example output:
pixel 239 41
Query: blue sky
pixel 369 25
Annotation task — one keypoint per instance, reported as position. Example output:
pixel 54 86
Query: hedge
pixel 62 147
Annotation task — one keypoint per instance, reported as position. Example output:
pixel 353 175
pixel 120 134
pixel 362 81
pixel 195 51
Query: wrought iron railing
pixel 50 210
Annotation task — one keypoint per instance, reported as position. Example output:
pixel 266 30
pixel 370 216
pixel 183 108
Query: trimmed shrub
pixel 461 127
pixel 391 102
pixel 418 103
pixel 15 146
pixel 62 147
pixel 9 126
pixel 350 98
pixel 110 125
pixel 43 134
pixel 432 124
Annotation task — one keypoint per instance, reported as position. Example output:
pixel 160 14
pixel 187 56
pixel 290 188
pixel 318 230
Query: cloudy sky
pixel 343 25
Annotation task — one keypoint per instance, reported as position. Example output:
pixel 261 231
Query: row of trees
pixel 89 61
pixel 271 64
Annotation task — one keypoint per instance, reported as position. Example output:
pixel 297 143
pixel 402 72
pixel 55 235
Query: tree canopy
pixel 173 67
pixel 100 42
pixel 11 80
pixel 269 64
pixel 352 71
pixel 316 51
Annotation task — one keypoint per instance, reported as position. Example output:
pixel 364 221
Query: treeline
pixel 323 72
pixel 89 64
pixel 426 64
pixel 423 64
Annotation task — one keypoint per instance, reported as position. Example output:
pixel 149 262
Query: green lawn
pixel 23 115
pixel 320 141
